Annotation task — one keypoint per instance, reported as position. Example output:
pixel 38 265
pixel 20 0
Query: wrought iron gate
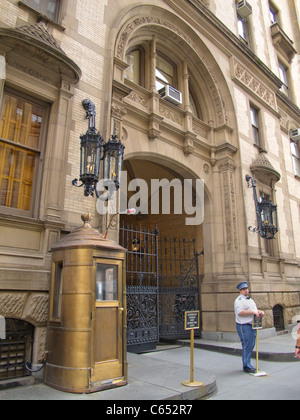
pixel 179 288
pixel 16 349
pixel 142 286
pixel 162 283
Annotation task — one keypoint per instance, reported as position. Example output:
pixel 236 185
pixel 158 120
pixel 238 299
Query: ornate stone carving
pixel 37 308
pixel 138 99
pixel 170 115
pixel 152 23
pixel 243 76
pixel 200 131
pixel 32 72
pixel 227 168
pixel 283 119
pixel 12 304
pixel 118 111
pixel 29 307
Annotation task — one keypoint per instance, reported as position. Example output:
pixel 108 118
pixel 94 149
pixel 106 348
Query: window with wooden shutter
pixel 20 139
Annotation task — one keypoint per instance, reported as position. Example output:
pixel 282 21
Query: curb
pixel 263 355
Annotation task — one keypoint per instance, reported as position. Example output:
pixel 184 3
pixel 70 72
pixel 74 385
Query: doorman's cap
pixel 242 285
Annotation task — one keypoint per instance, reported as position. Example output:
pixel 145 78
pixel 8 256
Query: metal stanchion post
pixel 192 323
pixel 258 372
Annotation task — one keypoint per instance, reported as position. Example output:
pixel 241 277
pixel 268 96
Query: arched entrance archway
pixel 163 270
pixel 157 190
pixel 194 138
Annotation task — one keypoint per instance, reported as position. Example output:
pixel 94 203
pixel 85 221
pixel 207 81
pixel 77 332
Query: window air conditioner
pixel 171 94
pixel 244 9
pixel 295 134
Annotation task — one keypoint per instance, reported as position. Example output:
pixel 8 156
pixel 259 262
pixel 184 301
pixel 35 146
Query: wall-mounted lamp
pixel 92 151
pixel 266 213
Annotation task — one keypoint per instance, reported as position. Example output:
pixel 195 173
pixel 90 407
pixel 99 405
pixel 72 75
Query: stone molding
pixel 30 307
pixel 244 77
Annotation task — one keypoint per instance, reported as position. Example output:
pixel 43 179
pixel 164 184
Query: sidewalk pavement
pixel 152 377
pixel 279 348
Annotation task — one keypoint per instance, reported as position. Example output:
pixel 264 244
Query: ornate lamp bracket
pixel 266 213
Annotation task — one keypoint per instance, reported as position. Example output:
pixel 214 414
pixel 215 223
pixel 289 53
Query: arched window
pixel 136 64
pixel 195 107
pixel 165 73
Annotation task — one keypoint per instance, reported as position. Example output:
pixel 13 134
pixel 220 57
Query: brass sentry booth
pixel 87 320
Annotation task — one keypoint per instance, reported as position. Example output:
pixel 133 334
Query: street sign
pixel 192 323
pixel 192 320
pixel 257 325
pixel 257 322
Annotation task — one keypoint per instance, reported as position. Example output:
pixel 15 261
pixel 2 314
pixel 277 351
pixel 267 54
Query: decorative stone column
pixel 232 261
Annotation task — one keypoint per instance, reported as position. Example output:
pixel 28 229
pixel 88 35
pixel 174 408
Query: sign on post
pixel 192 320
pixel 257 322
pixel 192 323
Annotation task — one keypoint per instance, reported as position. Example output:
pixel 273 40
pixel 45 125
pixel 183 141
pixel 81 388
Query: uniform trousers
pixel 248 338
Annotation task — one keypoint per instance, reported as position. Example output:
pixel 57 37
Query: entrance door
pixel 179 286
pixel 162 277
pixel 142 287
pixel 108 320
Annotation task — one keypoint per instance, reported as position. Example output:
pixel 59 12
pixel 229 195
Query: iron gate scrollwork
pixel 179 289
pixel 142 286
pixel 162 284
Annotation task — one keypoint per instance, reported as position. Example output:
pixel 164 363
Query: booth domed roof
pixel 86 237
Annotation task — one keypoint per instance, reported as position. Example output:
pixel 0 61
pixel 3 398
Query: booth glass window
pixel 106 282
pixel 57 291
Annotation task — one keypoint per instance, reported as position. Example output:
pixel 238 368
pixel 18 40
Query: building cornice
pixel 288 103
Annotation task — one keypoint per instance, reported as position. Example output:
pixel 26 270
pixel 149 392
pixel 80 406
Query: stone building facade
pixel 236 65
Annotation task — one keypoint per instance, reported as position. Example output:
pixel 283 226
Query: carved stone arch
pixel 171 28
pixel 292 125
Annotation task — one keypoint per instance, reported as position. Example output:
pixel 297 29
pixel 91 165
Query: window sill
pixel 260 148
pixel 10 215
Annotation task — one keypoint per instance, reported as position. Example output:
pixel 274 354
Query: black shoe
pixel 248 370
